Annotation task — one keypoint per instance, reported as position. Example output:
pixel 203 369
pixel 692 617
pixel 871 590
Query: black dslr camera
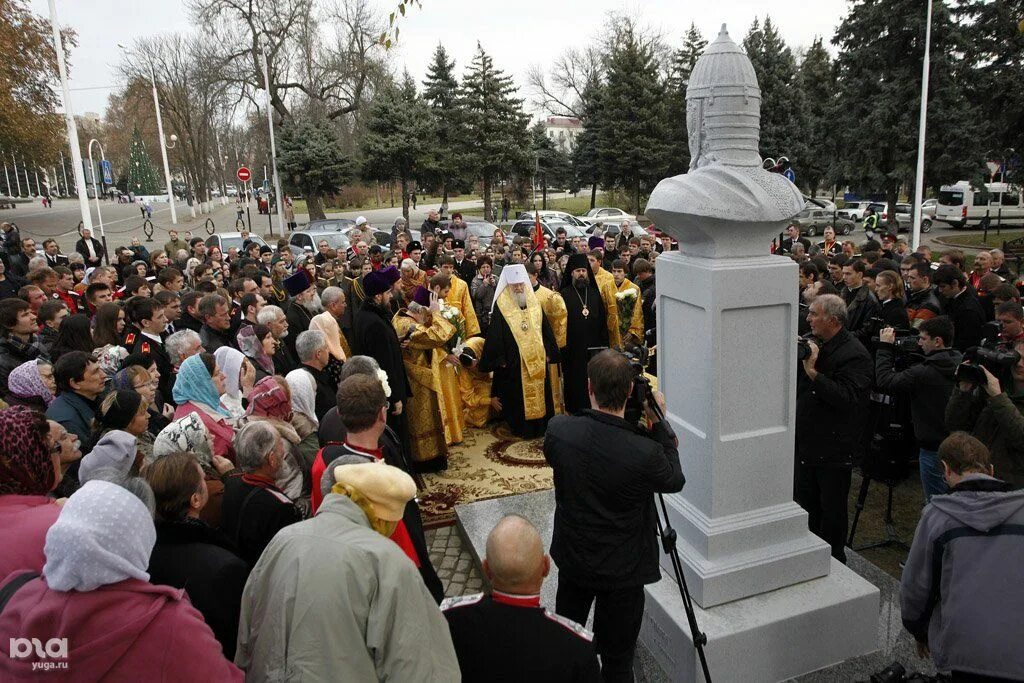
pixel 641 394
pixel 997 357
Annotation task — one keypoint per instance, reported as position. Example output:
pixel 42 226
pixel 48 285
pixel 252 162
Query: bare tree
pixel 324 59
pixel 562 93
pixel 193 98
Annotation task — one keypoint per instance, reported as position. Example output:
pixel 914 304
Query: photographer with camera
pixel 604 542
pixel 831 400
pixel 960 593
pixel 979 405
pixel 928 385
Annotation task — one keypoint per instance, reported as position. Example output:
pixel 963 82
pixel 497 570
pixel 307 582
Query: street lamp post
pixel 17 180
pixel 164 147
pixel 28 183
pixel 7 176
pixel 69 116
pixel 64 170
pixel 922 121
pixel 273 149
pixel 96 191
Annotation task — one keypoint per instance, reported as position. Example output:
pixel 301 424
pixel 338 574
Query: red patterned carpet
pixel 489 463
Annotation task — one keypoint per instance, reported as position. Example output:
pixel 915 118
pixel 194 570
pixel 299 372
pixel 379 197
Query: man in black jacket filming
pixel 831 401
pixel 605 541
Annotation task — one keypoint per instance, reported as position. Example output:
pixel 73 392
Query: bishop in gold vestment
pixel 520 344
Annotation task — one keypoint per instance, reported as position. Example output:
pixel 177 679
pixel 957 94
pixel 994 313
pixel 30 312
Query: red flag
pixel 538 233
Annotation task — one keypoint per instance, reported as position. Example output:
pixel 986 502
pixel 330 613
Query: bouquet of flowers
pixel 455 317
pixel 626 301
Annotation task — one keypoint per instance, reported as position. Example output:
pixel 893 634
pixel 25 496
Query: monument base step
pixel 768 637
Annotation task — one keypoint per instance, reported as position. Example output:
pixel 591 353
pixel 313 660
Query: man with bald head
pixel 507 635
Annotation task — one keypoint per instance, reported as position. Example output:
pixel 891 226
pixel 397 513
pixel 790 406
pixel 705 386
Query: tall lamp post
pixel 7 176
pixel 96 192
pixel 923 119
pixel 273 149
pixel 69 116
pixel 164 147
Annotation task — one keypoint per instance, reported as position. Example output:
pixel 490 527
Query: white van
pixel 961 205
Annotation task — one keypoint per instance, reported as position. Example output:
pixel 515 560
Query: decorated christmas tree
pixel 142 178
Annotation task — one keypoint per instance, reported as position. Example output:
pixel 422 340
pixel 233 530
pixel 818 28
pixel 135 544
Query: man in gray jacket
pixel 334 599
pixel 961 594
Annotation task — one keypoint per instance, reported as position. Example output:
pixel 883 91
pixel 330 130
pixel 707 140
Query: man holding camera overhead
pixel 831 404
pixel 605 533
pixel 928 385
pixel 993 415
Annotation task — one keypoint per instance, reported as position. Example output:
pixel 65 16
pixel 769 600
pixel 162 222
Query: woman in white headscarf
pixel 95 595
pixel 303 388
pixel 239 378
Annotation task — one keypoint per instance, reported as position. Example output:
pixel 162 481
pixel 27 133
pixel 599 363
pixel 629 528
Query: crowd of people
pixel 199 446
pixel 908 355
pixel 208 459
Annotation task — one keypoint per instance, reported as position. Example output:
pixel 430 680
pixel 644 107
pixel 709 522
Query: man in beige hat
pixel 332 598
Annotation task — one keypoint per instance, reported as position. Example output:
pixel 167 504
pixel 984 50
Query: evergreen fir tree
pixel 552 162
pixel 878 67
pixel 585 166
pixel 683 61
pixel 817 83
pixel 440 92
pixel 993 69
pixel 312 161
pixel 632 145
pixel 400 137
pixel 496 136
pixel 141 176
pixel 782 107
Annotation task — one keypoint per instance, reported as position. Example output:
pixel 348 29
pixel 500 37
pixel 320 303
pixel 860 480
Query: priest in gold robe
pixel 446 363
pixel 606 286
pixel 519 346
pixel 459 296
pixel 630 301
pixel 555 313
pixel 423 332
pixel 478 406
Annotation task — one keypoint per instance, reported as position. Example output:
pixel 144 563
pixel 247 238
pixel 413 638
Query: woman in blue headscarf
pixel 197 389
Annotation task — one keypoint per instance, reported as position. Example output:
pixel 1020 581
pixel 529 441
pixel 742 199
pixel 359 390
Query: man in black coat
pixel 90 249
pixel 604 540
pixel 831 402
pixel 586 328
pixel 304 304
pixel 960 305
pixel 311 347
pixel 507 635
pixel 374 335
pixel 793 237
pixel 861 304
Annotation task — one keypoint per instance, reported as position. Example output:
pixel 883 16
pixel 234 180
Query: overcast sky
pixel 515 34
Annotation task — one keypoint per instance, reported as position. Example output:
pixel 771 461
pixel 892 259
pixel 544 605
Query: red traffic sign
pixel 244 174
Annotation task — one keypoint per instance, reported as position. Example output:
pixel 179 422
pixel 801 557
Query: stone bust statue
pixel 727 204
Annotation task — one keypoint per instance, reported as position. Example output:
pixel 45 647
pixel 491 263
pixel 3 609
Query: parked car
pixel 9 202
pixel 605 214
pixel 813 221
pixel 902 221
pixel 855 210
pixel 306 241
pixel 557 215
pixel 330 225
pixel 614 228
pixel 383 237
pixel 231 240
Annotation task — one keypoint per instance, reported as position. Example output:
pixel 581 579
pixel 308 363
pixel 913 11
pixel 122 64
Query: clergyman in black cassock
pixel 586 328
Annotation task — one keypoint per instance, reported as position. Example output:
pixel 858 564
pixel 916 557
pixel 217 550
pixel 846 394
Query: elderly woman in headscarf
pixel 189 435
pixel 303 390
pixel 137 378
pixel 259 346
pixel 239 378
pixel 31 384
pixel 122 417
pixel 197 389
pixel 270 401
pixel 30 469
pixel 95 592
pixel 328 324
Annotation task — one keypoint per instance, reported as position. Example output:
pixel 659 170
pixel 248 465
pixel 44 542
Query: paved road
pixel 123 221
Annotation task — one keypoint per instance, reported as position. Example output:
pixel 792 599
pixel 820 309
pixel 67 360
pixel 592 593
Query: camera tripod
pixel 891 537
pixel 668 543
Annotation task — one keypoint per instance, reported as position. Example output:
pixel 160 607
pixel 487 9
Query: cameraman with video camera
pixel 981 406
pixel 928 385
pixel 604 542
pixel 831 405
